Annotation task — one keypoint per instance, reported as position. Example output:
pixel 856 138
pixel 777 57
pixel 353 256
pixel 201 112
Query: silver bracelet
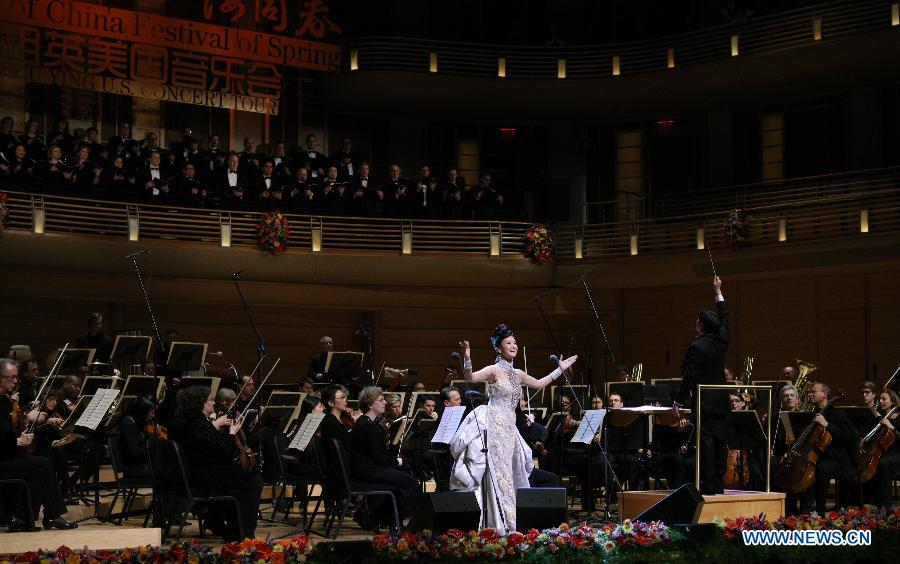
pixel 467 364
pixel 555 374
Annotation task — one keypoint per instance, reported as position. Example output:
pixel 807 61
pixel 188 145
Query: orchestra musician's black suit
pixel 704 363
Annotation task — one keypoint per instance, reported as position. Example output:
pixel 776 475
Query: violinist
pixel 889 464
pixel 36 470
pixel 836 461
pixel 373 464
pixel 211 453
pixel 135 431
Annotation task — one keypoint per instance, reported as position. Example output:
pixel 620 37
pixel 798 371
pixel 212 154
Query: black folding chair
pixel 342 495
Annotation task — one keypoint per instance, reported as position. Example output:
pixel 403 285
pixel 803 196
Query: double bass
pixel 797 469
pixel 872 446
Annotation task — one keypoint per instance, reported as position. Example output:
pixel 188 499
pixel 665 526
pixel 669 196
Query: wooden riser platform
pixel 733 503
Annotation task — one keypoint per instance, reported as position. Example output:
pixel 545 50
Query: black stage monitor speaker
pixel 440 511
pixel 682 506
pixel 540 508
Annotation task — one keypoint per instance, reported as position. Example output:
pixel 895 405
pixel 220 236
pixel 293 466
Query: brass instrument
pixel 745 379
pixel 804 369
pixel 636 372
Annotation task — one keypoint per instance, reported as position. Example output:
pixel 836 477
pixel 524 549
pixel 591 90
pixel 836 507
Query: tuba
pixel 802 382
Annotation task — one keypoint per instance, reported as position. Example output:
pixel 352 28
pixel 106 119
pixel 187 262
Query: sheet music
pixel 306 431
pixel 449 425
pixel 95 411
pixel 589 425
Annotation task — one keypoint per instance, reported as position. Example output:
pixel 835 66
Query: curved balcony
pixel 769 34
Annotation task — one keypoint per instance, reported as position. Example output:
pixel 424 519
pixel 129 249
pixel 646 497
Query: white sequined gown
pixel 510 461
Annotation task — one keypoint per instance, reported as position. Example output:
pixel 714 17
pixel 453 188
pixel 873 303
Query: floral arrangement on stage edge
pixel 539 243
pixel 487 544
pixel 737 226
pixel 844 519
pixel 273 232
pixel 4 210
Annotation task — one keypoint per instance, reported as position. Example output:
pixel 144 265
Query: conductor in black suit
pixel 704 363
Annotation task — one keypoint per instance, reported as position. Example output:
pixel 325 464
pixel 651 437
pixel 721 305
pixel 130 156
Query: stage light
pixel 701 239
pixel 225 230
pixel 579 248
pixel 634 245
pixel 354 59
pixel 316 234
pixel 616 69
pixel 782 230
pixel 406 242
pixel 670 59
pixel 560 68
pixel 432 62
pixel 817 28
pixel 38 216
pixel 734 46
pixel 501 67
pixel 863 221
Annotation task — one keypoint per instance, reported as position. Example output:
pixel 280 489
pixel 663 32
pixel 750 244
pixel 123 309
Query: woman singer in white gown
pixel 493 426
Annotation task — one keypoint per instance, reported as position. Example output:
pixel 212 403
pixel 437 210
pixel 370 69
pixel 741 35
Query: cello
pixel 797 469
pixel 872 446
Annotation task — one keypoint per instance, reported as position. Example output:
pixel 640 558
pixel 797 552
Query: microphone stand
pixel 260 355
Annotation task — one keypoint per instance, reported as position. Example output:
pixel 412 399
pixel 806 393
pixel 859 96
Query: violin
pixel 737 469
pixel 872 447
pixel 797 469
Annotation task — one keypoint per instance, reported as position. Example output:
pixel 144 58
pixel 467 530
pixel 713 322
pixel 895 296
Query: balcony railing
pixel 766 34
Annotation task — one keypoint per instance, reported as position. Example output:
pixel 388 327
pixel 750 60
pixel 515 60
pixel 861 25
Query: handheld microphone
pixel 236 274
pixel 134 255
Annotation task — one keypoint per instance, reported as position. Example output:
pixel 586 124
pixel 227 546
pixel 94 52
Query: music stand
pixel 343 366
pixel 93 383
pixel 745 432
pixel 186 357
pixel 73 359
pixel 129 350
pixel 142 386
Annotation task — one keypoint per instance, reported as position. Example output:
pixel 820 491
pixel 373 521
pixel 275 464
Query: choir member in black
pixel 122 141
pixel 271 188
pixel 190 190
pixel 115 182
pixel 315 161
pixel 316 369
pixel 488 200
pixel 373 464
pixel 36 470
pixel 889 464
pixel 839 460
pixel 53 176
pixel 304 196
pixel 249 160
pixel 346 160
pixel 95 338
pixel 16 168
pixel 134 436
pixel 704 363
pixel 87 173
pixel 35 145
pixel 453 189
pixel 621 442
pixel 211 459
pixel 235 186
pixel 396 193
pixel 284 168
pixel 60 135
pixel 154 180
pixel 7 137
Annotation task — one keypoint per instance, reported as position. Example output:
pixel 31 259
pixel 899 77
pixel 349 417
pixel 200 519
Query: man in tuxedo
pixel 271 188
pixel 153 179
pixel 346 160
pixel 704 363
pixel 235 187
pixel 316 162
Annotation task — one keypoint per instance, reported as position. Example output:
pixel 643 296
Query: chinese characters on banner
pixel 76 45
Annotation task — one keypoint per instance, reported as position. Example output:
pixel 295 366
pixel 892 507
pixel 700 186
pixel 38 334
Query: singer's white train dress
pixel 508 463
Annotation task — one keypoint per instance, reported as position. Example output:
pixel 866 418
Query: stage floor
pixel 733 503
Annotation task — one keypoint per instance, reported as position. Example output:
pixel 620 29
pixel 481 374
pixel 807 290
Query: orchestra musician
pixel 704 363
pixel 37 471
pixel 211 458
